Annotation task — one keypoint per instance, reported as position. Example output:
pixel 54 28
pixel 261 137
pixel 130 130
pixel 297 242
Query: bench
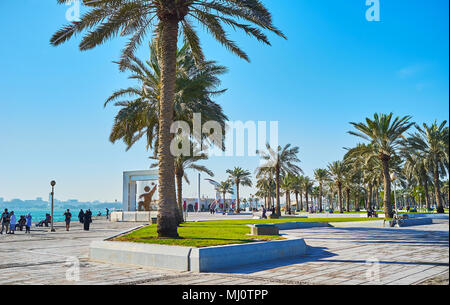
pixel 264 229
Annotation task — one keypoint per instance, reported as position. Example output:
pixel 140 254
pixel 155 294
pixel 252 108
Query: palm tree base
pixel 167 227
pixel 440 210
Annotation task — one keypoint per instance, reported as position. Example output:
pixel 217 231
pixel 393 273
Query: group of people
pixel 85 218
pixel 10 223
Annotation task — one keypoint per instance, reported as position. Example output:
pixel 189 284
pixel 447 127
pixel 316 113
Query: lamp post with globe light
pixel 52 183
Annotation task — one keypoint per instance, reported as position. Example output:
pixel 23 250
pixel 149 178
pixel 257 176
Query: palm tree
pixel 321 175
pixel 106 19
pixel 297 188
pixel 385 135
pixel 281 161
pixel 195 86
pixel 416 169
pixel 287 184
pixel 307 188
pixel 183 163
pixel 239 177
pixel 225 187
pixel 432 143
pixel 336 171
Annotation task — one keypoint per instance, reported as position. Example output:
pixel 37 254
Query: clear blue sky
pixel 335 67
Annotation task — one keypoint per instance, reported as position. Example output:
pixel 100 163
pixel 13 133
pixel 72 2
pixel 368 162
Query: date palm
pixel 432 143
pixel 105 19
pixel 321 175
pixel 239 177
pixel 287 184
pixel 308 184
pixel 280 161
pixel 225 187
pixel 417 169
pixel 195 86
pixel 336 171
pixel 183 163
pixel 385 134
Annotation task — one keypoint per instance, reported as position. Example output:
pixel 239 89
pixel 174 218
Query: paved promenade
pixel 340 255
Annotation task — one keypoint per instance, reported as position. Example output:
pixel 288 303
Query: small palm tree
pixel 308 184
pixel 239 177
pixel 183 163
pixel 281 161
pixel 321 175
pixel 106 19
pixel 336 171
pixel 287 184
pixel 385 135
pixel 225 187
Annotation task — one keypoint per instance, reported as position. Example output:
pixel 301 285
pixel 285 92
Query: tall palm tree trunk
pixel 167 212
pixel 427 195
pixel 341 209
pixel 437 189
pixel 387 187
pixel 179 182
pixel 306 199
pixel 296 201
pixel 277 182
pixel 370 196
pixel 237 198
pixel 301 201
pixel 348 199
pixel 320 197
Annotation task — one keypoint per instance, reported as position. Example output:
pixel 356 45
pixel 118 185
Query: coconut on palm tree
pixel 105 19
pixel 280 161
pixel 385 135
pixel 239 177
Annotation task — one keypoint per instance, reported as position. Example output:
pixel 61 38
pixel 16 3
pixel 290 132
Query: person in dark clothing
pixel 67 216
pixel 87 220
pixel 21 223
pixel 5 221
pixel 107 213
pixel 81 216
pixel 264 216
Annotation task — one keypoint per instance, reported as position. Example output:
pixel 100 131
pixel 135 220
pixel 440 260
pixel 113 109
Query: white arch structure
pixel 130 187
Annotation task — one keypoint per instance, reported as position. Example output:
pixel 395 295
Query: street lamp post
pixel 52 183
pixel 393 178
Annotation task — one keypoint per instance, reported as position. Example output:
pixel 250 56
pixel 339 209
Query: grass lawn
pixel 215 233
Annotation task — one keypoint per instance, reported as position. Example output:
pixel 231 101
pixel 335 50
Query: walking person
pixel 12 222
pixel 107 213
pixel 28 224
pixel 67 216
pixel 81 216
pixel 87 220
pixel 5 221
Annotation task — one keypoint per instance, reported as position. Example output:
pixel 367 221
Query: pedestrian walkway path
pixel 345 255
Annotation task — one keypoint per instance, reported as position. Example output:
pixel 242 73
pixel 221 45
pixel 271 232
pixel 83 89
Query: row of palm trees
pixel 417 160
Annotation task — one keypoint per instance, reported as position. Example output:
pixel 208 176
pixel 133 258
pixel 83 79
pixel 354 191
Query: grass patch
pixel 215 233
